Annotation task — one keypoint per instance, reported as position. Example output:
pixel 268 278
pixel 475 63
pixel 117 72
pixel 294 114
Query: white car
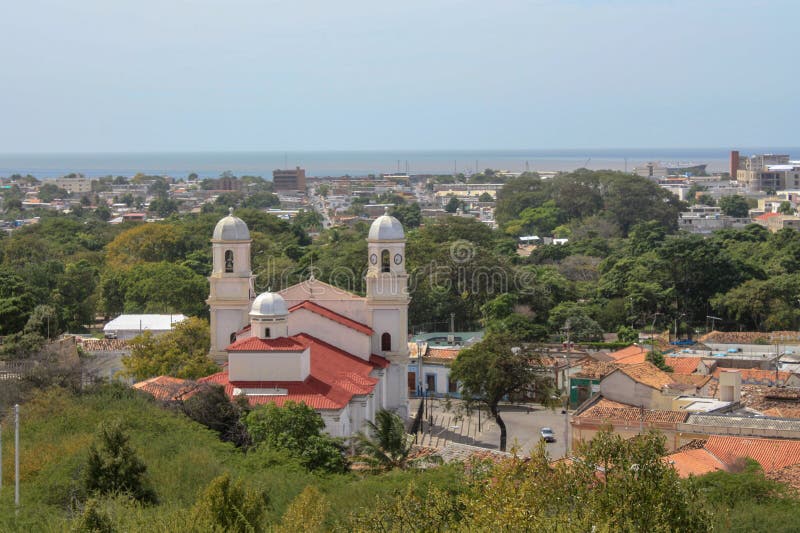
pixel 548 435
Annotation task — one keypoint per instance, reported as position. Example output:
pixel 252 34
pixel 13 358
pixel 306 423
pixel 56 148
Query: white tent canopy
pixel 128 326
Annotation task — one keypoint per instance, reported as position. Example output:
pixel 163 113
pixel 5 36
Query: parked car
pixel 548 435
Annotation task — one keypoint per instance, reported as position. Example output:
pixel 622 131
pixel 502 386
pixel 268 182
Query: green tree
pixel 409 215
pixel 493 370
pixel 452 205
pixel 211 407
pixel 181 353
pixel 734 206
pixel 786 208
pixel 113 466
pixel 227 505
pixel 297 428
pixel 385 444
pixel 485 197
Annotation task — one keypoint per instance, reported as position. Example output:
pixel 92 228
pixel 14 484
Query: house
pixel 721 452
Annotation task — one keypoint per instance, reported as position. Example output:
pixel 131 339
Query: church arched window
pixel 385 261
pixel 386 342
pixel 228 260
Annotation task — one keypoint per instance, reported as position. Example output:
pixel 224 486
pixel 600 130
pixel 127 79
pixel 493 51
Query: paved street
pixel 523 423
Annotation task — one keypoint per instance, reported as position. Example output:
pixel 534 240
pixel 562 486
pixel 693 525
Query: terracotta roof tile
pixel 755 376
pixel 749 337
pixel 647 374
pixel 788 474
pixel 607 410
pixel 695 462
pixel 593 369
pixel 167 388
pixel 771 454
pixel 630 355
pixel 255 344
pixel 683 365
pixel 332 315
pixel 336 376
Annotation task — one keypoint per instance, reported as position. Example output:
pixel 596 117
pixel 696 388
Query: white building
pixel 342 354
pixel 128 326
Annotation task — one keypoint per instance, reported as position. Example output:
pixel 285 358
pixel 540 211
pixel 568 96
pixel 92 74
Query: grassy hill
pixel 182 458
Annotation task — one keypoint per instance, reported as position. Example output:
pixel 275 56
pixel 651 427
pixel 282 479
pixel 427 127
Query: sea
pixel 360 162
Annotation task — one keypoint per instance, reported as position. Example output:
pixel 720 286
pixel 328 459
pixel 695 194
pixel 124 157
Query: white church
pixel 342 354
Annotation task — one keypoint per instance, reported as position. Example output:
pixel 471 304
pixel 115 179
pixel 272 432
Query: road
pixel 523 424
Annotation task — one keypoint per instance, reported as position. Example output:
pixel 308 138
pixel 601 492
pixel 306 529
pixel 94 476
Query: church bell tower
pixel 387 300
pixel 231 283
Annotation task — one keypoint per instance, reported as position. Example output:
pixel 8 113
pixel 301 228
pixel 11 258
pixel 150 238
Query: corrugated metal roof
pixel 743 422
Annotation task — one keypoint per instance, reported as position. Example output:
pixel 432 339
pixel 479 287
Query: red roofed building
pixel 724 452
pixel 342 354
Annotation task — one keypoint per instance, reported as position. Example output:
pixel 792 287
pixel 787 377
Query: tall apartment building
pixel 74 185
pixel 289 180
pixel 764 172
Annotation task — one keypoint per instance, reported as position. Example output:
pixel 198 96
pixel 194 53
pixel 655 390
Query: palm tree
pixel 386 445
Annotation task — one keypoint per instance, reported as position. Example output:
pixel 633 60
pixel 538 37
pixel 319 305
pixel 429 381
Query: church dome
pixel 231 228
pixel 386 228
pixel 269 304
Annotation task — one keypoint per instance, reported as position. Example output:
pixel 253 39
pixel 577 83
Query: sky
pixel 231 75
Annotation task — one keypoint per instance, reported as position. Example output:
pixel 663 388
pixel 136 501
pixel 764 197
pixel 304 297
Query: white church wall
pixel 337 423
pixel 325 329
pixel 269 366
pixel 388 321
pixel 342 302
pixel 227 321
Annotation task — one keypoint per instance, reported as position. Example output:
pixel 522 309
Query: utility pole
pixel 1 458
pixel 16 455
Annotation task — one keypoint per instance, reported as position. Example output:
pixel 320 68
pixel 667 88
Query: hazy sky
pixel 124 75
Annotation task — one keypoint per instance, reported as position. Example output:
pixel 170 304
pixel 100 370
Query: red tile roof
pixel 755 376
pixel 315 308
pixel 255 344
pixel 336 376
pixel 167 388
pixel 646 374
pixel 607 410
pixel 695 462
pixel 766 216
pixel 683 365
pixel 771 454
pixel 630 355
pixel 445 354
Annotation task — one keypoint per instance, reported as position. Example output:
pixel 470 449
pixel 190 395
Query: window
pixel 385 261
pixel 233 337
pixel 386 342
pixel 228 260
pixel 267 333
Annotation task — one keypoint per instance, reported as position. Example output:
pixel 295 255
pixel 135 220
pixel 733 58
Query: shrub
pixel 113 466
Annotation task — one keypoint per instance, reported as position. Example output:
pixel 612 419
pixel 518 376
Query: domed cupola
pixel 269 316
pixel 231 228
pixel 386 228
